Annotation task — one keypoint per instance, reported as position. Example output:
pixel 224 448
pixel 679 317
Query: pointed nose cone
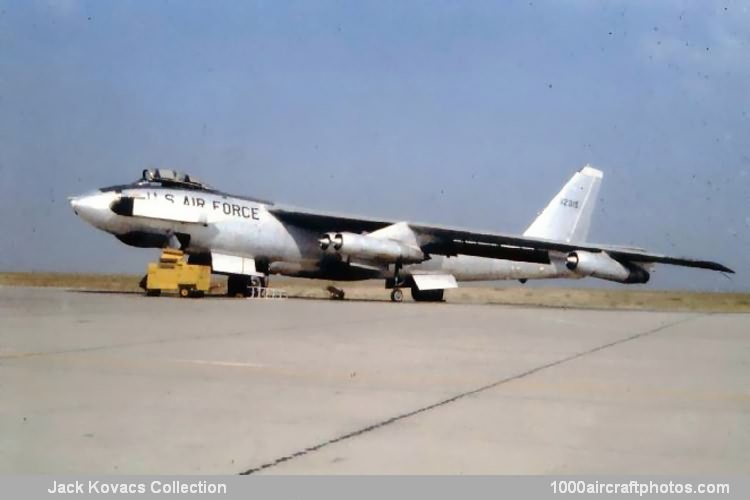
pixel 73 200
pixel 94 208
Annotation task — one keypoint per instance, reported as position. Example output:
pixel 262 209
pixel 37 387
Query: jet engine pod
pixel 370 248
pixel 572 261
pixel 325 241
pixel 338 241
pixel 601 265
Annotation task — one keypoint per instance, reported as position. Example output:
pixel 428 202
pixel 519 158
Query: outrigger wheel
pixel 336 293
pixel 397 295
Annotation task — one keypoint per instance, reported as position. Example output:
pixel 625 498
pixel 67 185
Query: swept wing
pixel 449 241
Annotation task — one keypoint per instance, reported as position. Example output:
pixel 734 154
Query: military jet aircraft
pixel 249 239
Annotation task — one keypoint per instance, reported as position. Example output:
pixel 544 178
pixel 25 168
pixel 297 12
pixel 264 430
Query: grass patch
pixel 373 290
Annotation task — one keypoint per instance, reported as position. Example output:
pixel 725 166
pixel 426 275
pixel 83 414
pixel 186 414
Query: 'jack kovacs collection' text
pixel 98 487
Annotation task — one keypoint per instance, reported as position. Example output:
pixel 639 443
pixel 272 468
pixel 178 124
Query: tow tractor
pixel 173 273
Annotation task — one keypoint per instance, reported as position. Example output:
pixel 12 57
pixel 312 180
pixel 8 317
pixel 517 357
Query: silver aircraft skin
pixel 249 239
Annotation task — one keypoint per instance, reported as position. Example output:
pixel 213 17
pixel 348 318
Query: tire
pixel 427 295
pixel 153 292
pixel 184 292
pixel 397 295
pixel 237 285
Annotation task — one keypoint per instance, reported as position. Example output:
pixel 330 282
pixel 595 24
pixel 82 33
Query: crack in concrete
pixel 463 395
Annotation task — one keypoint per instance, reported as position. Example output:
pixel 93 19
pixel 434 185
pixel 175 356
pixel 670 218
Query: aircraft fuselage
pixel 202 222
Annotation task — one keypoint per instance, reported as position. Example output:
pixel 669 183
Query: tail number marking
pixel 569 203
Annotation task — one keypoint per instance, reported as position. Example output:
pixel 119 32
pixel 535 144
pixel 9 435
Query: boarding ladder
pixel 258 292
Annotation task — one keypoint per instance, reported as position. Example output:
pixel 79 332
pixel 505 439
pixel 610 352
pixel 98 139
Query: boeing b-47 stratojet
pixel 249 239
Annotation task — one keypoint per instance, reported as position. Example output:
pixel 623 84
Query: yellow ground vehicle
pixel 173 273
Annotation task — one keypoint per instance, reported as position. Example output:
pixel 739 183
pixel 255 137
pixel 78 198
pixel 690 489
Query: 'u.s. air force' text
pixel 232 209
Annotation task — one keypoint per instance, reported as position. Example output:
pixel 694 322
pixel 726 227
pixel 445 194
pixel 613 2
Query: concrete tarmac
pixel 121 383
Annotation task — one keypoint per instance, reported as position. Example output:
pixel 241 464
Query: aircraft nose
pixel 73 200
pixel 93 207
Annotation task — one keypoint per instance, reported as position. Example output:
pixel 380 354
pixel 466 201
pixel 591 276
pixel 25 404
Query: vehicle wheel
pixel 184 292
pixel 397 295
pixel 196 294
pixel 153 292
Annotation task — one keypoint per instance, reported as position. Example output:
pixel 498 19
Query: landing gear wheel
pixel 237 285
pixel 427 295
pixel 397 295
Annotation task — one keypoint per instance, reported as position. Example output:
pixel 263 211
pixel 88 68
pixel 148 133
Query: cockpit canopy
pixel 169 177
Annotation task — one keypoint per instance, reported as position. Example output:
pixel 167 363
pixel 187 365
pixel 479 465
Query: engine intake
pixel 369 248
pixel 601 265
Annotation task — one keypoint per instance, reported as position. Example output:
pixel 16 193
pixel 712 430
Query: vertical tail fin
pixel 568 216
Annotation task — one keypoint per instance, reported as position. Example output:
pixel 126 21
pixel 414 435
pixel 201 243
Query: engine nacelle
pixel 369 248
pixel 601 265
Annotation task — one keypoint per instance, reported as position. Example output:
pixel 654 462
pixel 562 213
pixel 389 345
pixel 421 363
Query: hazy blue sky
pixel 460 113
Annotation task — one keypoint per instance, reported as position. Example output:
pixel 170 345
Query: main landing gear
pixel 427 295
pixel 239 285
pixel 397 294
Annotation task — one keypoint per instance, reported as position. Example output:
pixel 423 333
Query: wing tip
pixel 715 266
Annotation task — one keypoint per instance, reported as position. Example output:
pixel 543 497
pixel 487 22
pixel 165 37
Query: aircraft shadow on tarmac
pixel 216 297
